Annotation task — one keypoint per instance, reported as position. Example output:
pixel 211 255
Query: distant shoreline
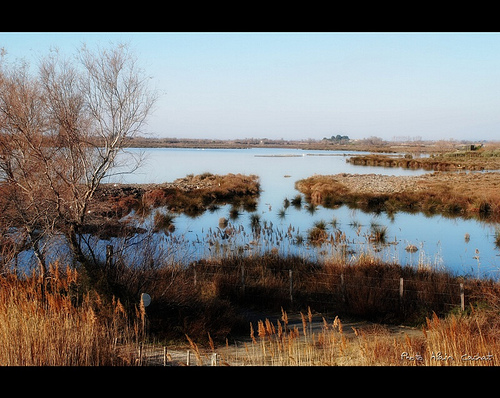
pixel 364 145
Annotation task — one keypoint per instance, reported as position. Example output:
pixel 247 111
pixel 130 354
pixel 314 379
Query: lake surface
pixel 441 241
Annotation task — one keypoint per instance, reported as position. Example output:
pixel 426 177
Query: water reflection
pixel 282 221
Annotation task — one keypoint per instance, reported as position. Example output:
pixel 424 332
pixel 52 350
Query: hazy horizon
pixel 299 85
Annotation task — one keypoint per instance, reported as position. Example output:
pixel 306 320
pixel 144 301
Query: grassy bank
pixel 451 194
pixel 191 195
pixel 448 161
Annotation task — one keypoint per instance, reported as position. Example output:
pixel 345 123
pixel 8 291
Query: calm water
pixel 441 241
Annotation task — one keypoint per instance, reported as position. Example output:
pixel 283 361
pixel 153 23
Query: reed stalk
pixel 47 323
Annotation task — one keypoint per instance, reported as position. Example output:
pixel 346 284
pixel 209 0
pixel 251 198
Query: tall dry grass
pixel 457 340
pixel 48 323
pixel 55 322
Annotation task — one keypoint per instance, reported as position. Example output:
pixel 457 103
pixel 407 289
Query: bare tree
pixel 60 135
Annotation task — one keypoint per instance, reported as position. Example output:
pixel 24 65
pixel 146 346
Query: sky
pixel 306 85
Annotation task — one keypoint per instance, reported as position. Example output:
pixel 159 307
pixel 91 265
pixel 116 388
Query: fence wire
pixel 331 289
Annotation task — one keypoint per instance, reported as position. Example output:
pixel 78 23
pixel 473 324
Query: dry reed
pixel 452 341
pixel 47 323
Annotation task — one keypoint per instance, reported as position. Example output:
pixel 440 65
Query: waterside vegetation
pixel 477 160
pixel 63 321
pixel 468 195
pixel 191 195
pixel 77 255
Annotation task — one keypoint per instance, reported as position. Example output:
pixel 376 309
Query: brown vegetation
pixel 60 321
pixel 191 195
pixel 469 195
pixel 457 340
pixel 482 159
pixel 370 144
pixel 60 134
pixel 53 323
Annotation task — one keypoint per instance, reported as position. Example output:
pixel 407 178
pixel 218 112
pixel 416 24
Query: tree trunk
pixel 77 251
pixel 35 240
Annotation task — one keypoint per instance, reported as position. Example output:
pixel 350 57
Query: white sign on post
pixel 146 299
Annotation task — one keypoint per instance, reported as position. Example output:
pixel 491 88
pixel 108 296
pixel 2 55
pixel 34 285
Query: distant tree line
pixel 338 138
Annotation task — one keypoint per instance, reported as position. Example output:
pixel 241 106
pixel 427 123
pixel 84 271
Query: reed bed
pixel 450 161
pixel 48 323
pixel 454 341
pixel 62 321
pixel 55 322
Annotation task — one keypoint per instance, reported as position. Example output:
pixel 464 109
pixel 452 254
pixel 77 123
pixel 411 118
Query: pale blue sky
pixel 308 85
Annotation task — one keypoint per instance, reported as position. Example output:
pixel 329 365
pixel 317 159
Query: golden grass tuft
pixel 456 340
pixel 48 323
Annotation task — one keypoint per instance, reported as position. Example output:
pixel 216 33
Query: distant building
pixel 470 147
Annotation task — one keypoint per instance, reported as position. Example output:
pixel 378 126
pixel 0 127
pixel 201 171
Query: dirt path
pixel 241 351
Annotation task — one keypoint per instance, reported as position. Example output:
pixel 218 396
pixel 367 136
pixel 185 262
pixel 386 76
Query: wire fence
pixel 359 291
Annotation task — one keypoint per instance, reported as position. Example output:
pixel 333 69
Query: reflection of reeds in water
pixel 378 234
pixel 261 236
pixel 311 209
pixel 497 238
pixel 255 222
pixel 163 222
pixel 281 214
pixel 297 202
pixel 234 213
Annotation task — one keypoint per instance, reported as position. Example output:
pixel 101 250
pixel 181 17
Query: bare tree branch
pixel 60 135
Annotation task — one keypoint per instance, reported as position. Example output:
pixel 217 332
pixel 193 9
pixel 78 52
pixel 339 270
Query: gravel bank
pixel 377 183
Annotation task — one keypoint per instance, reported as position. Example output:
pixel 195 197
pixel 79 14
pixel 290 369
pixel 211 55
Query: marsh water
pixel 441 241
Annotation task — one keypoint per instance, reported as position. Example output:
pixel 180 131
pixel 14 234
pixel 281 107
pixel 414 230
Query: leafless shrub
pixel 60 133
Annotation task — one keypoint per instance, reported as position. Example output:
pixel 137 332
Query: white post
pixel 214 359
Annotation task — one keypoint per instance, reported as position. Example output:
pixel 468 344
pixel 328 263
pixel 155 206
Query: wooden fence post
pixel 140 353
pixel 401 292
pixel 243 280
pixel 342 287
pixel 109 256
pixel 214 359
pixel 462 297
